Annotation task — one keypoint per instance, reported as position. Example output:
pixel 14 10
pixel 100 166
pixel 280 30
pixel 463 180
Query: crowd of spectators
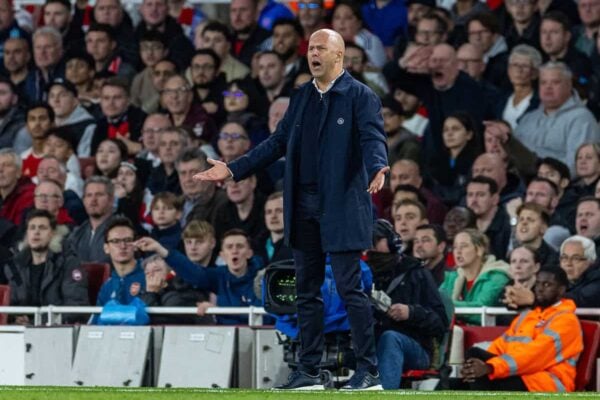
pixel 490 108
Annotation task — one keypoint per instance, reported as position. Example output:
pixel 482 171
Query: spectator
pixel 218 37
pixel 463 10
pixel 479 278
pixel 413 121
pixel 555 41
pixel 101 44
pixel 177 98
pixel 59 146
pixel 532 222
pixel 9 28
pixel 201 198
pixel 80 69
pixel 417 9
pixel 431 30
pixel 57 14
pixel 120 119
pixel 248 35
pixel 153 125
pixel 272 11
pixel 347 21
pixel 356 62
pixel 12 129
pixel 42 273
pixel 199 242
pixel 111 153
pixel 433 75
pixel 587 169
pixel 71 116
pixel 388 20
pixel 402 144
pixel 509 183
pixel 127 279
pixel 166 212
pixel 483 31
pixel 132 199
pixel 311 15
pixel 452 165
pixel 429 246
pixel 523 64
pixel 162 291
pixel 233 141
pixel 549 129
pixel 164 177
pixel 525 25
pixel 232 283
pixel 110 12
pixel 209 83
pixel 88 238
pixel 155 17
pixel 584 34
pixel 406 341
pixel 577 258
pixel 51 168
pixel 287 37
pixel 17 57
pixel 458 219
pixel 47 57
pixel 276 112
pixel 587 220
pixel 244 210
pixel 16 190
pixel 39 119
pixel 524 265
pixel 244 105
pixel 492 220
pixel 525 358
pixel 272 247
pixel 408 215
pixel 271 76
pixel 153 48
pixel 407 172
pixel 49 196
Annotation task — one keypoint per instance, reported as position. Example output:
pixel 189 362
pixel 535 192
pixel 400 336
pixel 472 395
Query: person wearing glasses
pixel 244 104
pixel 127 279
pixel 43 272
pixel 154 124
pixel 177 97
pixel 209 83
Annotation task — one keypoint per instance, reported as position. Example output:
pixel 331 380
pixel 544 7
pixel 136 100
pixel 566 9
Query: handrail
pixel 488 314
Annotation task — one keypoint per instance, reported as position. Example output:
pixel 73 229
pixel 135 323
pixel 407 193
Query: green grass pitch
pixel 64 393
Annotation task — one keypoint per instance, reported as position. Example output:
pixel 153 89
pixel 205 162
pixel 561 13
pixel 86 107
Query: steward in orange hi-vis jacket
pixel 540 349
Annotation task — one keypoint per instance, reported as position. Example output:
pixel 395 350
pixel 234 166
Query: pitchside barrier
pixel 48 353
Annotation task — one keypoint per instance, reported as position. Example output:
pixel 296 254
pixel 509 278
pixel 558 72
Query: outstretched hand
pixel 377 183
pixel 219 172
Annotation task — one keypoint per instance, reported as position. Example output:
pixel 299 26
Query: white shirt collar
pixel 322 92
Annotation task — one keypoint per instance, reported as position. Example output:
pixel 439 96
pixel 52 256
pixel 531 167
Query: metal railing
pixel 54 313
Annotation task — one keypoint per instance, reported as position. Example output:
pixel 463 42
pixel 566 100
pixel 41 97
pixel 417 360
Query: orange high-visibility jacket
pixel 542 347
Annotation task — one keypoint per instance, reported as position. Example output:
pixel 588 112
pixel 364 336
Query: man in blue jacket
pixel 233 284
pixel 335 148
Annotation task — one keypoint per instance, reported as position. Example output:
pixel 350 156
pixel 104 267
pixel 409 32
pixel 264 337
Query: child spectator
pixel 166 209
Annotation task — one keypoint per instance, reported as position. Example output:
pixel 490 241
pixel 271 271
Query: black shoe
pixel 299 380
pixel 363 380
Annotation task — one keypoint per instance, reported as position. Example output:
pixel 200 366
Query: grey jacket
pixel 559 134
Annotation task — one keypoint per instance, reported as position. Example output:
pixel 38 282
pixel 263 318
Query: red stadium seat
pixel 98 273
pixel 587 359
pixel 4 301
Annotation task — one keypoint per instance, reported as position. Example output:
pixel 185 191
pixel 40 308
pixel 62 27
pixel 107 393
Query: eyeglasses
pixel 310 6
pixel 573 259
pixel 47 196
pixel 520 67
pixel 232 136
pixel 126 241
pixel 180 90
pixel 237 93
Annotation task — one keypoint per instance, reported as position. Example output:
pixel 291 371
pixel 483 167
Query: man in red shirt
pixel 16 191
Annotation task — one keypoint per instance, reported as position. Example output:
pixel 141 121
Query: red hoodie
pixel 20 199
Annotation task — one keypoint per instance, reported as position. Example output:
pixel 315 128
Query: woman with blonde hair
pixel 479 279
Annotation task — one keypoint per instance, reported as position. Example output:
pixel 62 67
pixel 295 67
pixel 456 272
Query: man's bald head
pixel 405 172
pixel 492 166
pixel 470 60
pixel 325 56
pixel 444 66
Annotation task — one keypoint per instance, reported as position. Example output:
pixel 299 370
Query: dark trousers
pixel 310 274
pixel 510 384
